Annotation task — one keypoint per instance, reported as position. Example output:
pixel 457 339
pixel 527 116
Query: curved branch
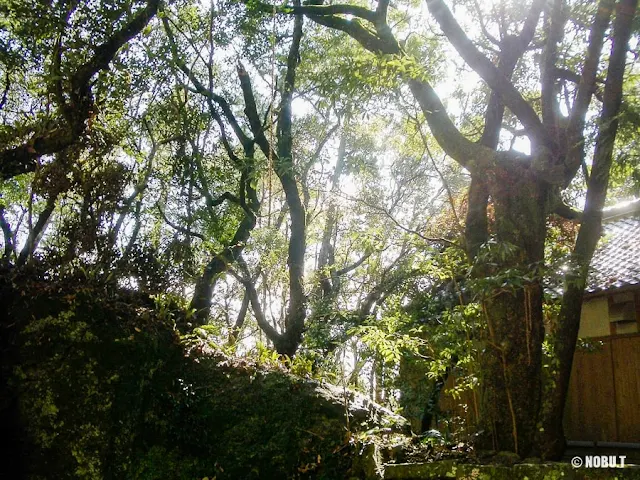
pixel 586 89
pixel 5 92
pixel 22 159
pixel 318 10
pixel 489 73
pixel 453 142
pixel 210 95
pixel 105 52
pixel 469 154
pixel 483 27
pixel 178 228
pixel 39 228
pixel 252 294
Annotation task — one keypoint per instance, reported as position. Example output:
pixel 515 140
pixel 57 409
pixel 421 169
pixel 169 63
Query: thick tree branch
pixel 207 93
pixel 105 52
pixel 586 89
pixel 511 50
pixel 565 211
pixel 22 158
pixel 296 313
pixel 9 249
pixel 470 155
pixel 318 10
pixel 35 235
pixel 251 292
pixel 328 15
pixel 489 73
pixel 456 145
pixel 531 22
pixel 5 92
pixel 555 20
pixel 237 326
pixel 381 12
pixel 253 117
pixel 571 76
pixel 354 265
pixel 221 262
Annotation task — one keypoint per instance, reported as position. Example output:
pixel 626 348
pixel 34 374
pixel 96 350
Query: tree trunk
pixel 511 363
pixel 219 264
pixel 35 235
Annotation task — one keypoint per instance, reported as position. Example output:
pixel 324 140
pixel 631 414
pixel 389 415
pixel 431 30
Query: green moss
pixel 106 392
pixel 551 471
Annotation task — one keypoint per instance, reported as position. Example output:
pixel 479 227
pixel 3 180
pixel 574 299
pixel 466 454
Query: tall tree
pixel 524 188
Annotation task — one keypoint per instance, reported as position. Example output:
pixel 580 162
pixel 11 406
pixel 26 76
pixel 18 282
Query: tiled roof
pixel 616 262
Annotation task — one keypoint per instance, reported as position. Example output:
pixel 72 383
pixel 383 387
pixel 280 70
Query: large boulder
pixel 101 385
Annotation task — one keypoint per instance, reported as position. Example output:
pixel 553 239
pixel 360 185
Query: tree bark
pixel 289 340
pixel 9 249
pixel 38 230
pixel 220 263
pixel 234 332
pixel 511 363
pixel 296 313
pixel 247 197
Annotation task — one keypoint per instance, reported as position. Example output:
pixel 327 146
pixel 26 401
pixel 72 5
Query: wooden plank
pixel 464 407
pixel 590 413
pixel 626 361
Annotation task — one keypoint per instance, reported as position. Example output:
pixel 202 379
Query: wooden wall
pixel 604 395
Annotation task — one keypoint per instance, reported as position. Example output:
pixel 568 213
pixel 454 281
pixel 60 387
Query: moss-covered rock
pixel 448 469
pixel 104 387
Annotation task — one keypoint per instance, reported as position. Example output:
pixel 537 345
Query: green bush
pixel 106 388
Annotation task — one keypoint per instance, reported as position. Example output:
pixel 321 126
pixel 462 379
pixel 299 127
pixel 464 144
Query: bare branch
pixel 483 27
pixel 354 265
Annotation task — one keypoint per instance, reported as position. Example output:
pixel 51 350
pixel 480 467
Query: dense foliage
pixel 392 197
pixel 108 389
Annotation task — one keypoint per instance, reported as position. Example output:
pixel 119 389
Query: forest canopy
pixel 378 194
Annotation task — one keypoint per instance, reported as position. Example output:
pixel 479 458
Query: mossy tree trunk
pixel 512 306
